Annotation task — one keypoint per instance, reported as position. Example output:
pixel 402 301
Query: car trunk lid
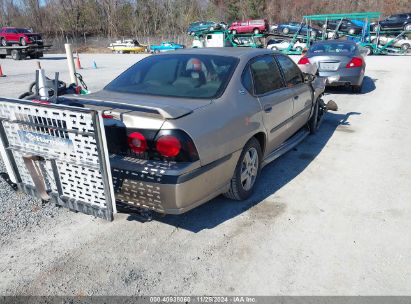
pixel 165 107
pixel 329 62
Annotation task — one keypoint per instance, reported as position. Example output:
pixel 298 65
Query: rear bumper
pixel 171 188
pixel 353 76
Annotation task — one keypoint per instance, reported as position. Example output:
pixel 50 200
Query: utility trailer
pixel 19 52
pixel 57 153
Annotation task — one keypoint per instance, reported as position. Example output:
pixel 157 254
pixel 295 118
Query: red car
pixel 255 26
pixel 22 36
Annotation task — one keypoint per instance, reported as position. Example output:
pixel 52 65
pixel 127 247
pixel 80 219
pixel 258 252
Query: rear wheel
pixel 246 171
pixel 256 31
pixel 313 123
pixel 299 49
pixel 286 30
pixel 3 42
pixel 23 42
pixel 233 32
pixel 16 55
pixel 369 50
pixel 407 27
pixel 405 46
pixel 356 88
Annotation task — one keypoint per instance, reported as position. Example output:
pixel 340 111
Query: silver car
pixel 341 62
pixel 185 127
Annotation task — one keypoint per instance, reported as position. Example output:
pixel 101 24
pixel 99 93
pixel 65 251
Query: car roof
pixel 238 52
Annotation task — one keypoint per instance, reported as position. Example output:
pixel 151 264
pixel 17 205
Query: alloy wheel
pixel 249 169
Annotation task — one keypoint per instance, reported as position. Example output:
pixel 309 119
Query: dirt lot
pixel 331 217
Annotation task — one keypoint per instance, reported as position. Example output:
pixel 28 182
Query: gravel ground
pixel 328 218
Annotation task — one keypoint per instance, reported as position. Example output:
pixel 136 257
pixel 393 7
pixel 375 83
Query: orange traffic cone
pixel 78 64
pixel 1 72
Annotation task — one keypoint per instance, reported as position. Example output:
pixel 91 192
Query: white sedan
pixel 283 45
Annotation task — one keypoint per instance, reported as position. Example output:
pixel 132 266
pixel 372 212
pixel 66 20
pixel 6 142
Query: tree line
pixel 144 18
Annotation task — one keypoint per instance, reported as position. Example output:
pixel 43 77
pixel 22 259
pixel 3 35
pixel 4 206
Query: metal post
pixel 70 62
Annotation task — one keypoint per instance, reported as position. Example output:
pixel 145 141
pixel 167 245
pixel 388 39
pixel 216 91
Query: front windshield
pixel 332 48
pixel 177 75
pixel 23 31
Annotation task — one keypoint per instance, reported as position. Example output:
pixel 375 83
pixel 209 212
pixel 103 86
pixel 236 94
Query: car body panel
pixel 346 26
pixel 204 26
pixel 395 22
pixel 219 128
pixel 14 35
pixel 249 25
pixel 166 46
pixel 294 27
pixel 334 64
pixel 283 45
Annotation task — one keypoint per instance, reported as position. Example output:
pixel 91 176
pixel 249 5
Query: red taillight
pixel 303 60
pixel 356 62
pixel 168 146
pixel 137 142
pixel 105 116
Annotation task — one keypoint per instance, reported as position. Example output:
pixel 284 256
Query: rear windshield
pixel 177 75
pixel 332 48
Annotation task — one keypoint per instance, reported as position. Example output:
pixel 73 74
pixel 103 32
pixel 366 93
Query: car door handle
pixel 296 97
pixel 268 108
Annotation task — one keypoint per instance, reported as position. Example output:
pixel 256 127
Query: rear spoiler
pixel 165 111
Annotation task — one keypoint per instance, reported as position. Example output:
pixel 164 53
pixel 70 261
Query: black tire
pixel 313 122
pixel 369 50
pixel 237 190
pixel 234 32
pixel 407 27
pixel 286 30
pixel 3 42
pixel 3 56
pixel 23 42
pixel 299 49
pixel 405 46
pixel 256 31
pixel 356 88
pixel 211 28
pixel 16 55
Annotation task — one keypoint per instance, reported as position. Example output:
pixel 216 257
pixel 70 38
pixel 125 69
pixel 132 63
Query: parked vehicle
pixel 398 22
pixel 345 25
pixel 127 46
pixel 203 26
pixel 284 45
pixel 167 145
pixel 337 58
pixel 22 36
pixel 165 47
pixel 294 27
pixel 255 26
pixel 403 42
pixel 253 41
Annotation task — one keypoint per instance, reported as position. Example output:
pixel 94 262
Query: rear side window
pixel 266 75
pixel 246 80
pixel 292 73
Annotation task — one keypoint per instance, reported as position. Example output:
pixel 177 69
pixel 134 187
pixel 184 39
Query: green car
pixel 204 26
